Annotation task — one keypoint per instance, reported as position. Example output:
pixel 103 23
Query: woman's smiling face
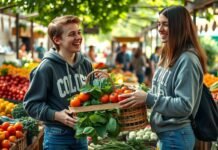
pixel 163 28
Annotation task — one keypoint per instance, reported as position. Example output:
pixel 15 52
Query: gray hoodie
pixel 175 93
pixel 53 82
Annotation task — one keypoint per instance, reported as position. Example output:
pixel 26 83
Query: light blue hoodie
pixel 175 93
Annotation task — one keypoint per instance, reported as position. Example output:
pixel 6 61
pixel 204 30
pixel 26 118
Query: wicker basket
pixel 130 118
pixel 133 118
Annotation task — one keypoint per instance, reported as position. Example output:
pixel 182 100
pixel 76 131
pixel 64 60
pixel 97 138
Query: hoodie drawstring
pixel 68 76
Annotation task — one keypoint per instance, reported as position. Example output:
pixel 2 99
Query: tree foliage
pixel 103 13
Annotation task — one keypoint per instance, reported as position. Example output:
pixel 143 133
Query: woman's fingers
pixel 126 95
pixel 128 104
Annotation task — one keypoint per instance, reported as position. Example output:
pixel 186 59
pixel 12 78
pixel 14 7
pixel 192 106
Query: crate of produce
pixel 102 95
pixel 21 143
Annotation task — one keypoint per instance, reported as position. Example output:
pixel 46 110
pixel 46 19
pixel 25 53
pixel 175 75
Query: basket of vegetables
pixel 98 110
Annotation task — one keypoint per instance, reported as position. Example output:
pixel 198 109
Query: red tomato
pixel 12 138
pixel 121 98
pixel 119 91
pixel 6 144
pixel 75 102
pixel 11 130
pixel 18 126
pixel 124 88
pixel 113 97
pixel 104 98
pixel 5 125
pixel 19 134
pixel 84 97
pixel 6 134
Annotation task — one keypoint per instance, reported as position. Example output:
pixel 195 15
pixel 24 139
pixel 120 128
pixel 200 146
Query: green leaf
pixel 83 122
pixel 86 88
pixel 95 118
pixel 79 132
pixel 89 131
pixel 87 103
pixel 101 131
pixel 96 92
pixel 112 125
pixel 95 102
pixel 113 128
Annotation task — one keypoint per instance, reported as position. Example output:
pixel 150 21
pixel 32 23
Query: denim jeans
pixel 62 139
pixel 180 139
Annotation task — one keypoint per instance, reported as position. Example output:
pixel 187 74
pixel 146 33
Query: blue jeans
pixel 62 139
pixel 180 139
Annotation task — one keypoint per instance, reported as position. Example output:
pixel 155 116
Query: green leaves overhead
pixel 103 13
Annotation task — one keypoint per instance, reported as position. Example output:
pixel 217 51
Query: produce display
pixel 10 132
pixel 6 108
pixel 144 134
pixel 13 87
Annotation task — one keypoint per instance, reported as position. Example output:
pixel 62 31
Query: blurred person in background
pixel 91 54
pixel 177 83
pixel 154 59
pixel 139 63
pixel 40 50
pixel 22 51
pixel 123 59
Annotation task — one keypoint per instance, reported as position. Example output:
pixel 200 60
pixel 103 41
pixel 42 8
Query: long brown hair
pixel 182 35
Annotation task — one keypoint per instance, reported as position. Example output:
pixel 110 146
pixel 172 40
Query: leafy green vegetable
pixel 31 125
pixel 95 118
pixel 19 111
pixel 88 131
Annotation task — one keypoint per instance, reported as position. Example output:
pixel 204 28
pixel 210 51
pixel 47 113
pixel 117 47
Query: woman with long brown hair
pixel 177 83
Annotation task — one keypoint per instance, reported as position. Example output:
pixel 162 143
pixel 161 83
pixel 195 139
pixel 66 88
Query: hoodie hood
pixel 54 56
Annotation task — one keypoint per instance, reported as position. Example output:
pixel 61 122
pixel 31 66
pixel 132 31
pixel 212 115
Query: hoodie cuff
pixel 50 115
pixel 150 101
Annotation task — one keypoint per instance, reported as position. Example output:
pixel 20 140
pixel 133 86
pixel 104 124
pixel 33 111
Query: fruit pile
pixel 88 97
pixel 9 133
pixel 210 79
pixel 13 87
pixel 6 108
pixel 99 65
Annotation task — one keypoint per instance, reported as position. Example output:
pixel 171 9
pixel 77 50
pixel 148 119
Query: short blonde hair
pixel 55 27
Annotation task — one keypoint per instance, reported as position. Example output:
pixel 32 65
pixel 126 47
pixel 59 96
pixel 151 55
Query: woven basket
pixel 130 118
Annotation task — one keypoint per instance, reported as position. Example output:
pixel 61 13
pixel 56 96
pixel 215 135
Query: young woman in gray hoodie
pixel 177 83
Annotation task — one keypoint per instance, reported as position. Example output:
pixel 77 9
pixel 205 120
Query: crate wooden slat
pixel 94 107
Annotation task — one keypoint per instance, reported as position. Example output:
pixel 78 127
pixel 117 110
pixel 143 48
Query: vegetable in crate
pixel 31 126
pixel 97 123
pixel 19 111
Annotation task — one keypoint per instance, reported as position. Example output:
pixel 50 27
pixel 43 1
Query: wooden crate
pixel 201 145
pixel 21 143
pixel 37 141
